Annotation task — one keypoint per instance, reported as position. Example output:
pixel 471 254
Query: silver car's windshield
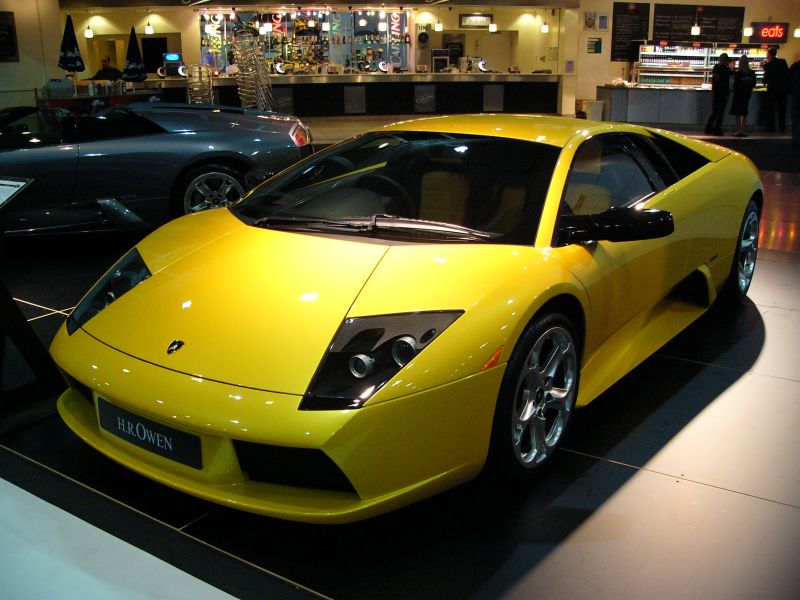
pixel 411 185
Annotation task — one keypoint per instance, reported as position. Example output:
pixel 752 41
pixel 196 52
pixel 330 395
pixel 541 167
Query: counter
pixel 392 93
pixel 669 106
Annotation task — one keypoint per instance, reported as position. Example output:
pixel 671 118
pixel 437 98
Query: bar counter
pixel 392 93
pixel 670 106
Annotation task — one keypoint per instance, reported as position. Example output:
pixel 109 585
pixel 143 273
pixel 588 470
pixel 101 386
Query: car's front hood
pixel 252 307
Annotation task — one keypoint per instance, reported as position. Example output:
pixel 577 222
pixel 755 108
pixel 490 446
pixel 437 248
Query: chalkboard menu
pixel 629 27
pixel 717 23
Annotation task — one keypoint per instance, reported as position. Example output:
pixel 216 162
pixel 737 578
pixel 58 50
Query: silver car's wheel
pixel 211 189
pixel 744 257
pixel 537 397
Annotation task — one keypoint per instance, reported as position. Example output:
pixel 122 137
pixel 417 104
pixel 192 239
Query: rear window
pixel 683 160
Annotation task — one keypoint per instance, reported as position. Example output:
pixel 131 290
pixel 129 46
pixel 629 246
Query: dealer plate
pixel 170 443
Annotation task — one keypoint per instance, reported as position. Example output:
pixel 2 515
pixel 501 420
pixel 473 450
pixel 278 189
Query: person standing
pixel 793 87
pixel 744 80
pixel 775 72
pixel 107 71
pixel 720 86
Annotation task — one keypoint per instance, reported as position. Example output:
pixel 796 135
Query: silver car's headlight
pixel 367 352
pixel 129 272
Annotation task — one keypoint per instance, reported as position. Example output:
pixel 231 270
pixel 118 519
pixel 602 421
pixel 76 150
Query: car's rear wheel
pixel 537 398
pixel 207 186
pixel 744 257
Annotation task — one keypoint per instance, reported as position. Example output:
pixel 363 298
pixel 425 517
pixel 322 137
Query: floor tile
pixel 660 537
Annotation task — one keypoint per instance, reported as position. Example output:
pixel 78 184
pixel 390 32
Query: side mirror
pixel 617 225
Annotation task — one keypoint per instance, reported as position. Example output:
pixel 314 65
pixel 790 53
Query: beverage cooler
pixel 689 64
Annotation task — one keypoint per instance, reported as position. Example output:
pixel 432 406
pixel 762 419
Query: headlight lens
pixel 367 352
pixel 129 272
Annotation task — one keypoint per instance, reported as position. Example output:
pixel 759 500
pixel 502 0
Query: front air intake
pixel 297 467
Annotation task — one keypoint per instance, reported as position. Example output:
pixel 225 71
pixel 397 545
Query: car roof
pixel 546 129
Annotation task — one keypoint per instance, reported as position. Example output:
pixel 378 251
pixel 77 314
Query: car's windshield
pixel 412 185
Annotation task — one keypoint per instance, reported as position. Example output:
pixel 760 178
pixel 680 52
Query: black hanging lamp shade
pixel 69 58
pixel 134 65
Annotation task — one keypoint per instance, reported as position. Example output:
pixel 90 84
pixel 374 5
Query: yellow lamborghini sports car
pixel 395 314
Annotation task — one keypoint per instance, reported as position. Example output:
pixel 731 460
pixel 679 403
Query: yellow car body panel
pixel 259 308
pixel 419 441
pixel 236 319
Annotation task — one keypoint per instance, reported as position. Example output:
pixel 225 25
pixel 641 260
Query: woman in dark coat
pixel 744 80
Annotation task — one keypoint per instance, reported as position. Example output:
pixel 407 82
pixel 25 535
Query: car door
pixel 32 147
pixel 622 279
pixel 123 156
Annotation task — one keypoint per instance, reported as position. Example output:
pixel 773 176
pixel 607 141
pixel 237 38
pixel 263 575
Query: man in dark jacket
pixel 107 71
pixel 793 86
pixel 775 73
pixel 720 88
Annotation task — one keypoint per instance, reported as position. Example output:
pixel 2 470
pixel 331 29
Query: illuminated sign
pixel 777 33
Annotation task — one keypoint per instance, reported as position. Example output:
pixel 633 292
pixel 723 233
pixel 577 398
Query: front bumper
pixel 391 454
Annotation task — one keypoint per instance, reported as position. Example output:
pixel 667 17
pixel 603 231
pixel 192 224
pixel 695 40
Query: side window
pixel 604 175
pixel 655 158
pixel 30 129
pixel 682 159
pixel 116 123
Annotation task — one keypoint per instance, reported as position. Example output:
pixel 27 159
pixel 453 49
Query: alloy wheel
pixel 544 397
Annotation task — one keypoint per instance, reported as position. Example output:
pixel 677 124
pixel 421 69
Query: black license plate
pixel 170 443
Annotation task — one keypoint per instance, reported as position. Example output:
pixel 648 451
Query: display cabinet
pixel 689 65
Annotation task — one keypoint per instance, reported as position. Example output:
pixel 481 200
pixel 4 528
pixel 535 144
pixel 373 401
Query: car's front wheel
pixel 744 257
pixel 207 186
pixel 537 398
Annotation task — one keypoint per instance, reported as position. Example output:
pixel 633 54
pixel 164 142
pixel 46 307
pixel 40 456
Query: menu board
pixel 629 27
pixel 674 22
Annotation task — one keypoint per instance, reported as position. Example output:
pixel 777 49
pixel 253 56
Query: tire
pixel 744 257
pixel 207 186
pixel 536 400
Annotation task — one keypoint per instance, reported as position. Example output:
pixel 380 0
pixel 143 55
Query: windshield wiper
pixel 375 223
pixel 405 224
pixel 309 223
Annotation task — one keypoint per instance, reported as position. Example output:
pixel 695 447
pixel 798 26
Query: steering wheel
pixel 379 183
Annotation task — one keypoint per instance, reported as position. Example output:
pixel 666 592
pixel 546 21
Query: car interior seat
pixel 508 209
pixel 444 196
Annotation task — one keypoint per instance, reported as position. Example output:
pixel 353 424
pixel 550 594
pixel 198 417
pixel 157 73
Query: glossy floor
pixel 682 481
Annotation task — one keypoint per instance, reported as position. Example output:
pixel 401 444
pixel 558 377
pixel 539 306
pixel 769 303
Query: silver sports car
pixel 136 166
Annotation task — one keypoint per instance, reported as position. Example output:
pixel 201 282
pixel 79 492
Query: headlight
pixel 367 352
pixel 129 272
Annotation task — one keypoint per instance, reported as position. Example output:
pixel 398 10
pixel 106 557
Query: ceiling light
pixel 148 29
pixel 492 27
pixel 438 26
pixel 232 16
pixel 310 23
pixel 381 25
pixel 797 32
pixel 748 31
pixel 695 29
pixel 88 32
pixel 362 22
pixel 326 26
pixel 545 27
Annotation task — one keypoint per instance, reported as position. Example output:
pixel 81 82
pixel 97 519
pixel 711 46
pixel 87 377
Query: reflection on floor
pixel 682 481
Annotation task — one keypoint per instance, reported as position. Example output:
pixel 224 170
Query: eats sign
pixel 777 33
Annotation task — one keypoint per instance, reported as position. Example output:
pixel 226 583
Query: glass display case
pixel 689 64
